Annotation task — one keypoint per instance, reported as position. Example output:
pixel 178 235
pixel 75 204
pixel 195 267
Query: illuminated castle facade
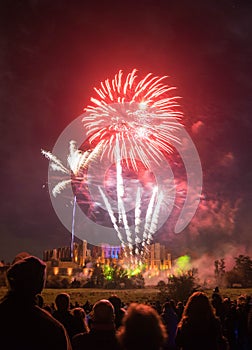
pixel 63 261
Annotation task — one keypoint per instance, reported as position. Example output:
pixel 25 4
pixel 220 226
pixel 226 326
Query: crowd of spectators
pixel 200 323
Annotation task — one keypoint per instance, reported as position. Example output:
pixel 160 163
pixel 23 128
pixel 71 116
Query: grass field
pixel 146 295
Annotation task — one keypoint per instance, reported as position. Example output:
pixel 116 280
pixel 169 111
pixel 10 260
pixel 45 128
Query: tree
pixel 179 287
pixel 216 271
pixel 232 277
pixel 243 266
pixel 219 271
pixel 241 272
pixel 222 267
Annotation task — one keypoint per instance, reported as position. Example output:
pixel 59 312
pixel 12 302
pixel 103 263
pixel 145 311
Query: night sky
pixel 52 55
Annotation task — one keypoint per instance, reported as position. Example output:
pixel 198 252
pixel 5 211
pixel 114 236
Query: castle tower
pixel 54 255
pixel 169 261
pixel 84 253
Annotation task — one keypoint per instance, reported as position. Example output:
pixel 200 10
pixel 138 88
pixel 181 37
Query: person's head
pixel 241 301
pixel 62 302
pixel 197 307
pixel 79 312
pixel 168 307
pixel 80 316
pixel 180 305
pixel 115 301
pixel 103 314
pixel 142 328
pixel 39 300
pixel 216 290
pixel 26 276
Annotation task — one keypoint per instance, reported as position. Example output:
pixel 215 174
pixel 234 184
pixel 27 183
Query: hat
pixel 27 275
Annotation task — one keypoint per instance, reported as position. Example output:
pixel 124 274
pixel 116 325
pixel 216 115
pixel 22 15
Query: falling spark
pixel 137 219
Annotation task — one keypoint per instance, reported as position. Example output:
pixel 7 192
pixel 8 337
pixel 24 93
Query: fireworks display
pixel 135 123
pixel 119 174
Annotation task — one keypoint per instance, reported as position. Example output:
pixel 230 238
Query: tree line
pixel 239 275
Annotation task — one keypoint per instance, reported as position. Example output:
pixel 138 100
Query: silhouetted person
pixel 87 307
pixel 64 315
pixel 102 332
pixel 80 323
pixel 40 300
pixel 229 325
pixel 242 323
pixel 142 329
pixel 199 328
pixel 216 291
pixel 23 324
pixel 250 324
pixel 179 309
pixel 170 320
pixel 119 311
pixel 217 303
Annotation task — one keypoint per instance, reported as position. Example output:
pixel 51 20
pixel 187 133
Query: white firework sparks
pixel 77 161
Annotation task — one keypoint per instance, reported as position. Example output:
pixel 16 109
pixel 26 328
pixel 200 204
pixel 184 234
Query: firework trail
pixel 137 219
pixel 148 219
pixel 155 216
pixel 73 226
pixel 119 183
pixel 120 193
pixel 112 216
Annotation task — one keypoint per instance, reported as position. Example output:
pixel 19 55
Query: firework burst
pixel 140 116
pixel 76 160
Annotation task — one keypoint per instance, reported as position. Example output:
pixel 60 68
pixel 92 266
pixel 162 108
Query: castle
pixel 83 257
